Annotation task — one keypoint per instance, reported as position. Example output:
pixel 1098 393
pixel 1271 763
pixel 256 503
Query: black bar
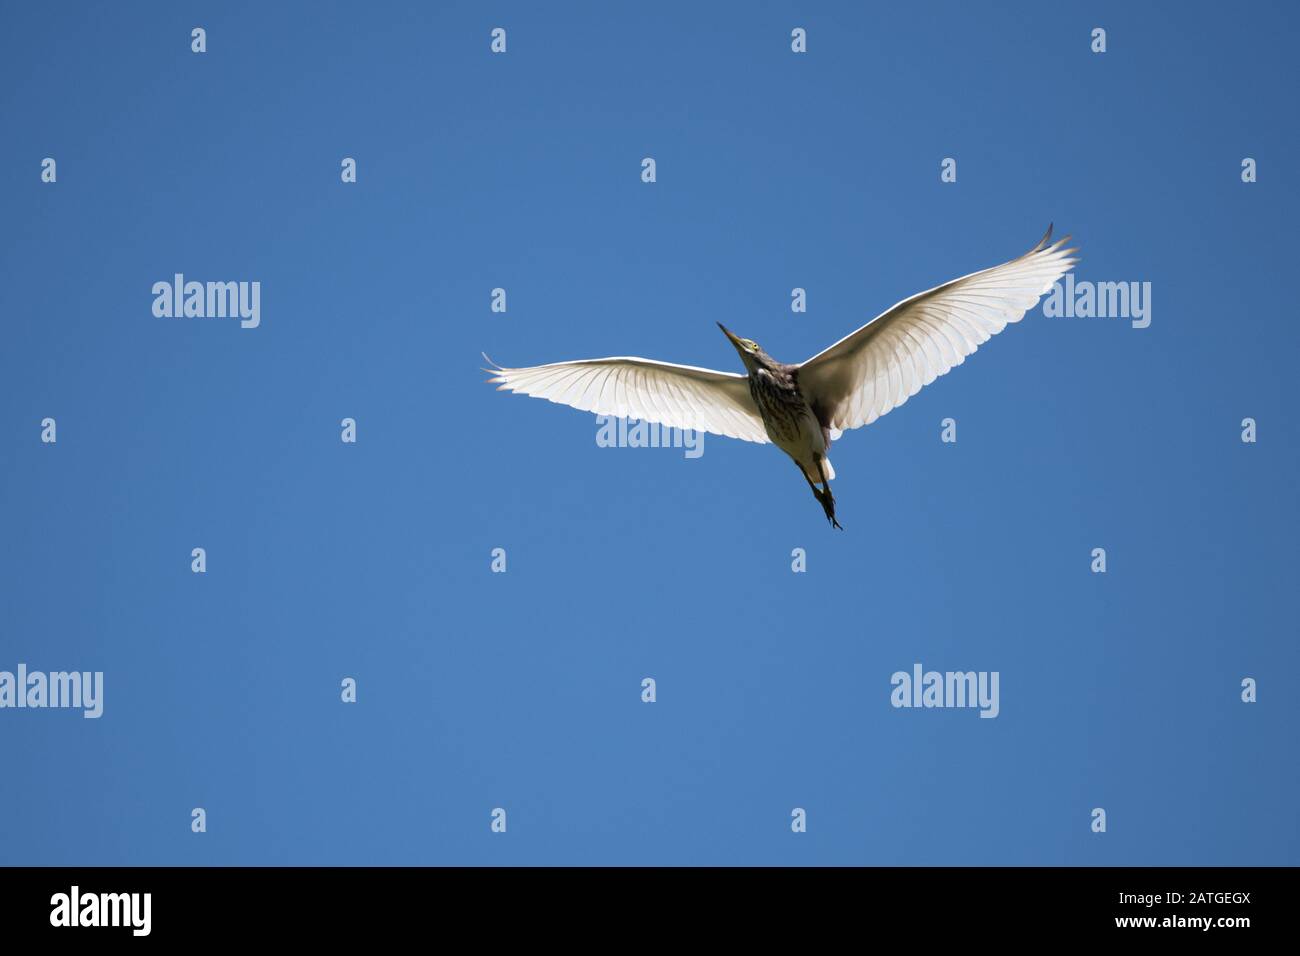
pixel 332 905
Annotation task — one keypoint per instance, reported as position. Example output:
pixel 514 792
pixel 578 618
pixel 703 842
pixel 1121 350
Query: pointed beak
pixel 734 340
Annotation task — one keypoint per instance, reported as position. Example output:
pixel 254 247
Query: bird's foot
pixel 827 501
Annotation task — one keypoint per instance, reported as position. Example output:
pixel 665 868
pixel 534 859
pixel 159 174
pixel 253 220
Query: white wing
pixel 680 396
pixel 888 360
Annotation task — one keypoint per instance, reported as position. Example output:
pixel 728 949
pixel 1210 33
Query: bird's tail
pixel 814 475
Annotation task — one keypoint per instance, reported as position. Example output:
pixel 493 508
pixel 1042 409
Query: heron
pixel 803 408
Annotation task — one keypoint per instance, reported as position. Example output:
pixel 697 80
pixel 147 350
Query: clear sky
pixel 522 690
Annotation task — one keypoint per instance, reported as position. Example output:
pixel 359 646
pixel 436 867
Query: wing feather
pixel 880 366
pixel 679 396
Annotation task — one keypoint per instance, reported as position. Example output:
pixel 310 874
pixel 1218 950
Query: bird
pixel 803 408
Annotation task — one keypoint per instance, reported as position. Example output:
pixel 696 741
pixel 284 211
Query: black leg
pixel 828 502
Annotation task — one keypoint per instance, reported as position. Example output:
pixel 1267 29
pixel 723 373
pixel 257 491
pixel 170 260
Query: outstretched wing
pixel 888 360
pixel 680 396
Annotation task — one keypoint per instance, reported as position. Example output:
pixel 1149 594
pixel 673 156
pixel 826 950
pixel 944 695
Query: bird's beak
pixel 734 340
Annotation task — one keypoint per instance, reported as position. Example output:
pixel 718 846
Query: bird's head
pixel 751 353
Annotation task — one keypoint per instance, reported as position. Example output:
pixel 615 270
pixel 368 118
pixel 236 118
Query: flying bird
pixel 803 408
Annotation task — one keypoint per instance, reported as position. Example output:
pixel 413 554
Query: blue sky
pixel 522 690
